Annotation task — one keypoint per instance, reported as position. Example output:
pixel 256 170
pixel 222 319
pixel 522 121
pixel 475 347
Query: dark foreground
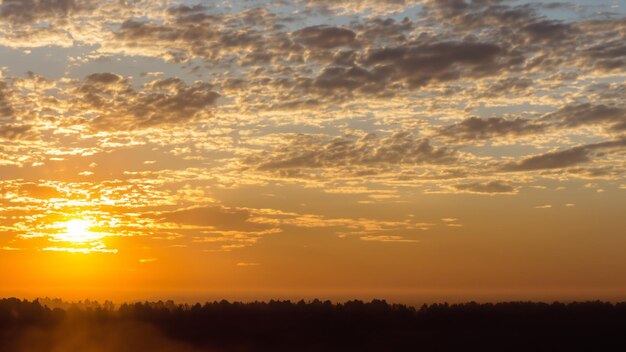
pixel 312 326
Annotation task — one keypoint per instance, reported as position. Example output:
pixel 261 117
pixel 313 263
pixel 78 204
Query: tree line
pixel 311 326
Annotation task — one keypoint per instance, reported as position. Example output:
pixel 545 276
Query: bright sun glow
pixel 78 231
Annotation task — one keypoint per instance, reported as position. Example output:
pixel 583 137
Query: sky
pixel 415 150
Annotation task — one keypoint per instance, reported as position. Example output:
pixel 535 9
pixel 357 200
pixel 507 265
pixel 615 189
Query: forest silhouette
pixel 52 325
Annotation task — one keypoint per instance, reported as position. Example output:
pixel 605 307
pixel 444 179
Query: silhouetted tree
pixel 318 325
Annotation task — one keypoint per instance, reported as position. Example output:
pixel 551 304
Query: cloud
pixel 217 217
pixel 449 219
pixel 373 7
pixel 384 30
pixel 490 187
pixel 35 23
pixel 314 65
pixel 589 114
pixel 456 92
pixel 227 228
pixel 324 37
pixel 38 191
pixel 21 12
pixel 476 128
pixel 608 56
pixel 118 106
pixel 6 108
pixel 12 131
pixel 310 152
pixel 386 71
pixel 192 32
pixel 549 43
pixel 387 238
pixel 564 158
pixel 514 86
pixel 419 63
pixel 553 160
pixel 546 31
pixel 571 116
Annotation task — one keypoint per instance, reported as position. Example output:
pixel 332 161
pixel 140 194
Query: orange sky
pixel 414 150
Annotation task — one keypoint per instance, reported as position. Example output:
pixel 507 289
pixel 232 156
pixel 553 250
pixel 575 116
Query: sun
pixel 78 231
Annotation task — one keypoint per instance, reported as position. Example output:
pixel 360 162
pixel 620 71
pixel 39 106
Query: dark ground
pixel 311 326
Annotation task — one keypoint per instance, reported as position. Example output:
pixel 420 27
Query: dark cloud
pixel 186 10
pixel 384 30
pixel 308 151
pixel 548 31
pixel 490 187
pixel 588 114
pixel 598 45
pixel 565 158
pixel 553 160
pixel 514 86
pixel 324 37
pixel 15 131
pixel 11 126
pixel 523 24
pixel 192 32
pixel 104 79
pixel 219 217
pixel 546 44
pixel 454 56
pixel 120 107
pixel 227 227
pixel 19 12
pixel 373 57
pixel 6 108
pixel 619 127
pixel 462 15
pixel 607 93
pixel 387 71
pixel 418 64
pixel 350 6
pixel 604 172
pixel 347 80
pixel 608 56
pixel 475 128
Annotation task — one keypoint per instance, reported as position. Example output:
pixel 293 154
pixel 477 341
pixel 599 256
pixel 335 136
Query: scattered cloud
pixel 8 248
pixel 360 155
pixel 490 187
pixel 566 158
pixel 475 128
pixel 247 264
pixel 449 220
pixel 152 112
pixel 394 239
